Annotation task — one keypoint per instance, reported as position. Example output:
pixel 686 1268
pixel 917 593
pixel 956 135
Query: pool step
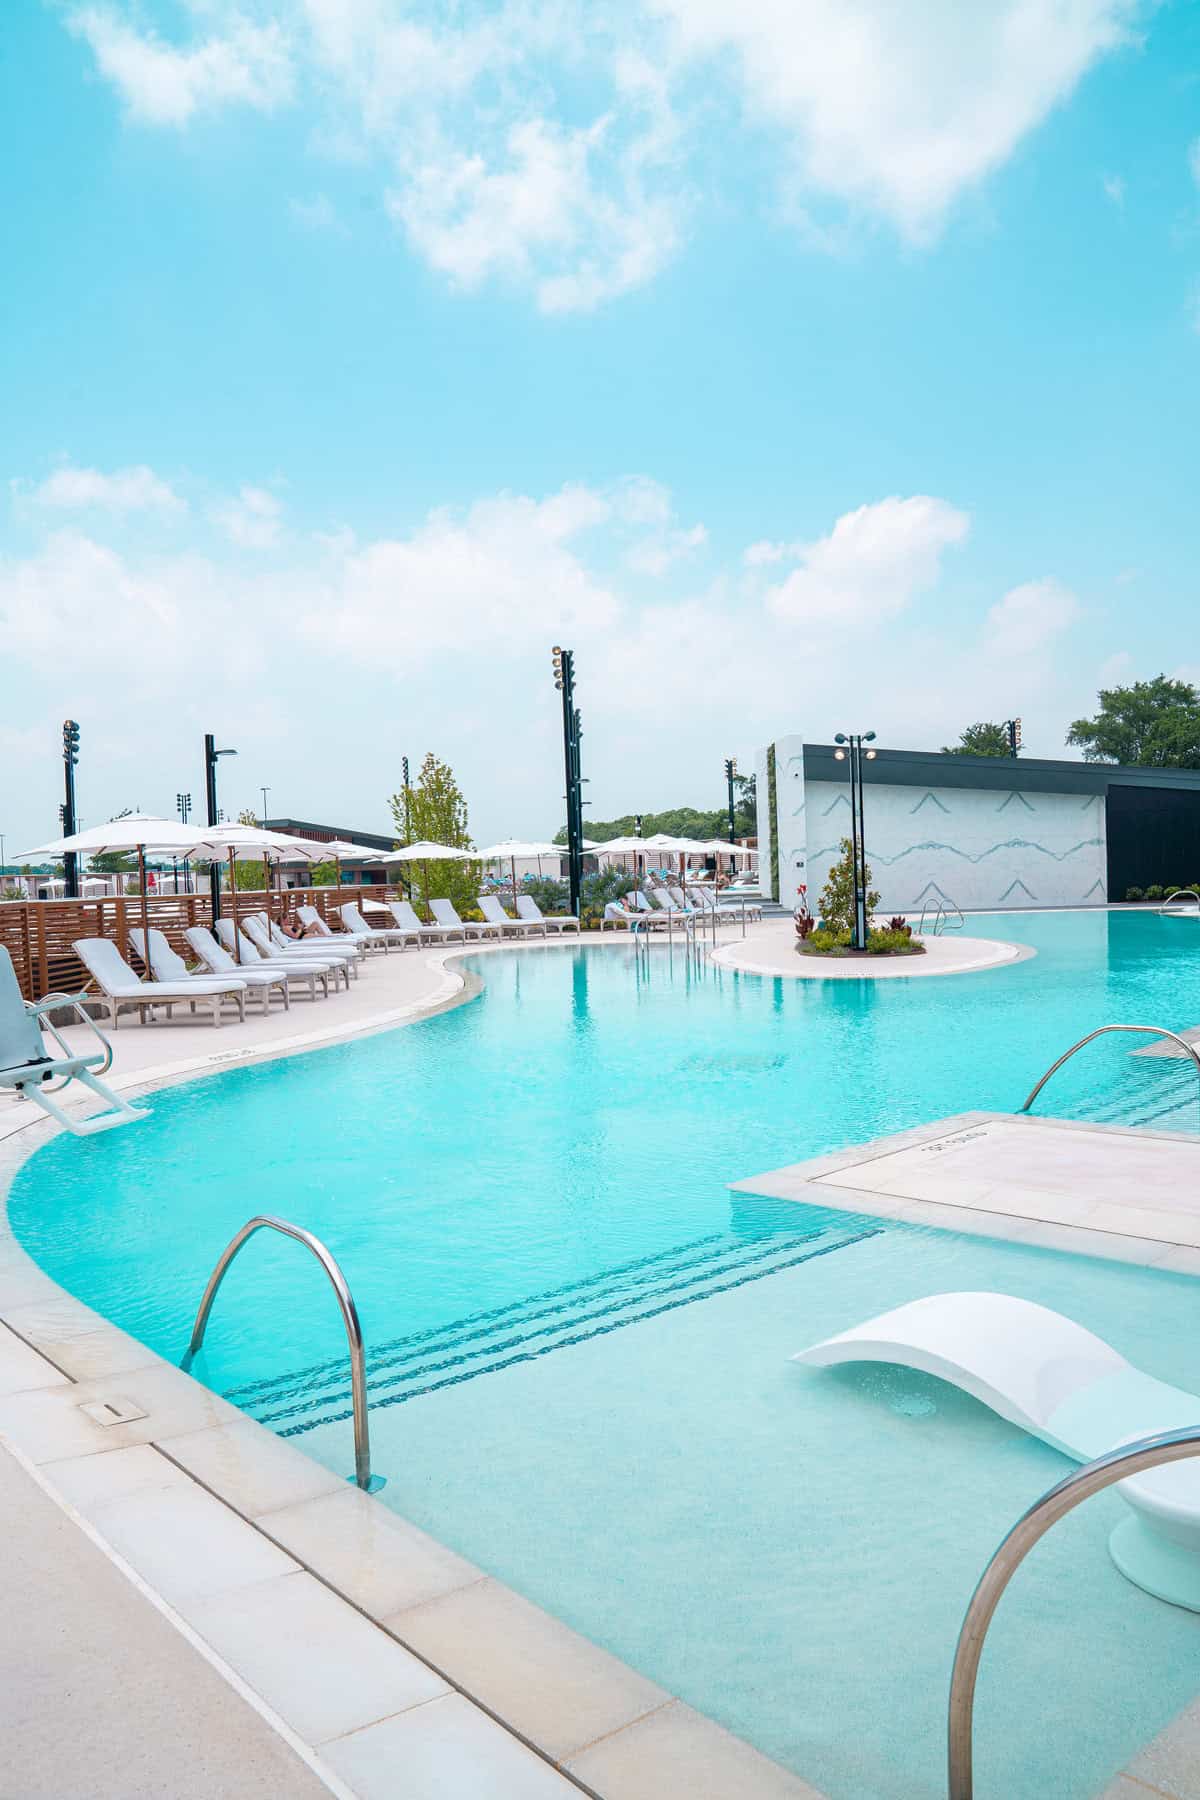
pixel 524 1330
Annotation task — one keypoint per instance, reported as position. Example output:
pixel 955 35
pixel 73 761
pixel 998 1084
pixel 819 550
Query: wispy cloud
pixel 251 521
pixel 163 84
pixel 123 490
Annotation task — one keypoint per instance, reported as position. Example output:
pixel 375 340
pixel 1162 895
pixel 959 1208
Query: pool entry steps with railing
pixel 486 1342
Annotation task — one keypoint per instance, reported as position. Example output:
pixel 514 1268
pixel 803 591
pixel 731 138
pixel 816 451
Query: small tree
pixel 837 896
pixel 985 738
pixel 437 814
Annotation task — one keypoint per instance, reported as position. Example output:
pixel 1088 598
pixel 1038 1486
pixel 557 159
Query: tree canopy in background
pixel 681 821
pixel 437 814
pixel 1155 723
pixel 984 738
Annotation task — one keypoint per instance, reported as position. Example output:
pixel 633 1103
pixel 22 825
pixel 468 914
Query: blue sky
pixel 809 366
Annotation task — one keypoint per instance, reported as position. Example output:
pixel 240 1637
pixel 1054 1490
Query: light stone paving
pixel 770 949
pixel 364 1644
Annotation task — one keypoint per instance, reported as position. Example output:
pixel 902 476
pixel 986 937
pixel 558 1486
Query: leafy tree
pixel 113 862
pixel 437 814
pixel 681 821
pixel 985 738
pixel 249 875
pixel 1155 723
pixel 836 905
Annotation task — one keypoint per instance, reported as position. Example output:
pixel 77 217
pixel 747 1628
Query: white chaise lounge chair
pixel 494 914
pixel 446 915
pixel 217 959
pixel 312 954
pixel 528 908
pixel 119 986
pixel 25 1066
pixel 245 954
pixel 165 964
pixel 320 943
pixel 374 936
pixel 415 930
pixel 1068 1387
pixel 321 937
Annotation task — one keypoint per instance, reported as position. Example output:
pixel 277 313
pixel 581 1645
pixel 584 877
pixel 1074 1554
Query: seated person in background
pixel 292 928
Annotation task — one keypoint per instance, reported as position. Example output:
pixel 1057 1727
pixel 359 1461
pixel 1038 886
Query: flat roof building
pixel 977 832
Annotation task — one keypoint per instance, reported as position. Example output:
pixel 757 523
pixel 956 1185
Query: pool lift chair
pixel 26 1068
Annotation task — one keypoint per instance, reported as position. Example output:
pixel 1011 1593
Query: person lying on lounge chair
pixel 292 928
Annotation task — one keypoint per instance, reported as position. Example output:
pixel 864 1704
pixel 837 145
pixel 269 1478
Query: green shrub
pixel 1154 893
pixel 893 943
pixel 1134 894
pixel 827 943
pixel 837 896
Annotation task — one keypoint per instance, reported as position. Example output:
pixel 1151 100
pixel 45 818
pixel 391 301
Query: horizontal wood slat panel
pixel 38 934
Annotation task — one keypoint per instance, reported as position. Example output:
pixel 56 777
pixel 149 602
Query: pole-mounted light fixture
pixel 211 757
pixel 850 749
pixel 563 662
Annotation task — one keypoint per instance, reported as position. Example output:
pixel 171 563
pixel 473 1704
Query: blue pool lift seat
pixel 26 1067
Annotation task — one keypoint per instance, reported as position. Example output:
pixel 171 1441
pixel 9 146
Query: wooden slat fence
pixel 38 934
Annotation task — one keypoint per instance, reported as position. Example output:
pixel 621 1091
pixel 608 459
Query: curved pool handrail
pixel 345 1300
pixel 1152 1030
pixel 1115 1465
pixel 1179 894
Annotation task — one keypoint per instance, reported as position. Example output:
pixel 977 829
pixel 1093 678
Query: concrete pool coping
pixel 442 1665
pixel 542 1710
pixel 771 950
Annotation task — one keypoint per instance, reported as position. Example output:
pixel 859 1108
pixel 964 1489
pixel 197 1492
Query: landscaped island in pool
pixel 580 1340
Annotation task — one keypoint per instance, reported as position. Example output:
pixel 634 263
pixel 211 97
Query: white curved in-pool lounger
pixel 446 914
pixel 165 964
pixel 495 915
pixel 1059 1381
pixel 371 935
pixel 415 929
pixel 119 986
pixel 528 908
pixel 246 954
pixel 25 1066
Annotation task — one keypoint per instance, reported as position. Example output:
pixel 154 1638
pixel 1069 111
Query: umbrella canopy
pixel 423 852
pixel 238 842
pixel 136 831
pixel 622 846
pixel 520 850
pixel 719 847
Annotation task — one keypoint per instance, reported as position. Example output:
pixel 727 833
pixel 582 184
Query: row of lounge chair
pixel 646 908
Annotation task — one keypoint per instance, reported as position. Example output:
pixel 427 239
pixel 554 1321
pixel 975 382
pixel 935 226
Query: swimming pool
pixel 528 1194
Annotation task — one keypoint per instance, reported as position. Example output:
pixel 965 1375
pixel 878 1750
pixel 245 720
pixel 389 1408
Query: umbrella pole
pixel 237 936
pixel 425 868
pixel 267 894
pixel 512 869
pixel 145 910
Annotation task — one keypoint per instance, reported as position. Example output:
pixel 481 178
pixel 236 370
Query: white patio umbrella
pixel 425 853
pixel 226 841
pixel 514 849
pixel 136 831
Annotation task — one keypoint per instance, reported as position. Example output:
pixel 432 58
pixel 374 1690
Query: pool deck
pixel 770 949
pixel 341 1644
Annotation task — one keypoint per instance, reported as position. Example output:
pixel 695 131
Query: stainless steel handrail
pixel 1152 1030
pixel 1179 894
pixel 345 1300
pixel 941 919
pixel 1115 1465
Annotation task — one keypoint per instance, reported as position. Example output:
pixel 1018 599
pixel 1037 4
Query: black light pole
pixel 211 757
pixel 730 773
pixel 564 681
pixel 183 806
pixel 70 758
pixel 407 807
pixel 1013 728
pixel 851 748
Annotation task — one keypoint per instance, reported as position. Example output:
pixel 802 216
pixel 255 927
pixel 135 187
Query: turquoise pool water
pixel 579 1343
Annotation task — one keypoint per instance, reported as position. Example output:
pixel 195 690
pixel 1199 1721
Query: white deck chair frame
pixel 99 954
pixel 162 960
pixel 528 908
pixel 22 1032
pixel 495 915
pixel 253 958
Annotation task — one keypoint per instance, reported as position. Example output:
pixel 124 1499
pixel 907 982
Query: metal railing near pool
pixel 345 1300
pixel 944 918
pixel 1164 910
pixel 1115 1465
pixel 1150 1030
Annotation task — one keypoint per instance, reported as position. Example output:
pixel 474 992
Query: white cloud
pixel 317 214
pixel 124 490
pixel 902 107
pixel 1116 188
pixel 506 574
pixel 162 84
pixel 252 520
pixel 1029 617
pixel 872 563
pixel 1194 159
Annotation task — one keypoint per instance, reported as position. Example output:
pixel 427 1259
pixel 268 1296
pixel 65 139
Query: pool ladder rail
pixel 1168 909
pixel 1115 1465
pixel 942 918
pixel 1189 1049
pixel 369 1483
